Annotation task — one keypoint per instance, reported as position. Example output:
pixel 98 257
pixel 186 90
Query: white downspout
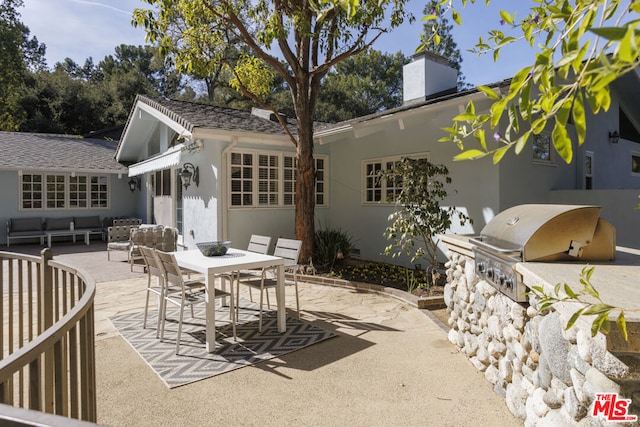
pixel 225 197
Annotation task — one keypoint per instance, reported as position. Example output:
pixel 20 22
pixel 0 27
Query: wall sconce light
pixel 614 137
pixel 189 172
pixel 134 182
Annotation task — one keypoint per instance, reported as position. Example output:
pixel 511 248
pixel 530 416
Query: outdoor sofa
pixel 41 228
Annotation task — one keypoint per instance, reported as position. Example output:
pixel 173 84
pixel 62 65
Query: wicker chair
pixel 152 236
pixel 119 239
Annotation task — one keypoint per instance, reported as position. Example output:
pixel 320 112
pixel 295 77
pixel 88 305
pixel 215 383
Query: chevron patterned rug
pixel 194 363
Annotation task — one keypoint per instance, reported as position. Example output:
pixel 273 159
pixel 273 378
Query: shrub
pixel 327 244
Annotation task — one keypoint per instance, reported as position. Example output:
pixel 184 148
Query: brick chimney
pixel 427 75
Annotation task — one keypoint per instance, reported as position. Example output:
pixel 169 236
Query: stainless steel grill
pixel 540 232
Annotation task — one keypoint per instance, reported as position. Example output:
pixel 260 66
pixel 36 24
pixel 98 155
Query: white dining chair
pixel 192 292
pixel 287 249
pixel 257 244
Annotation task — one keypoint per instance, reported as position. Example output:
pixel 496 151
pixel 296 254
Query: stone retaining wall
pixel 548 375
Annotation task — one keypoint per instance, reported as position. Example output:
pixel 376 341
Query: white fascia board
pixel 397 118
pixel 64 170
pixel 178 128
pixel 141 108
pixel 241 137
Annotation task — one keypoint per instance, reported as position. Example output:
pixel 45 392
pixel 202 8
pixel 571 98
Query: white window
pixel 63 191
pixel 100 191
pixel 290 180
pixel 32 191
pixel 78 192
pixel 268 179
pixel 241 179
pixel 378 190
pixel 542 148
pixel 588 170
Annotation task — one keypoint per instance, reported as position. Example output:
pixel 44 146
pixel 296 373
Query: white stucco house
pixel 245 165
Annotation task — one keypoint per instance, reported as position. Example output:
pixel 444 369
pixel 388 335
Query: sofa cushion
pixel 26 224
pixel 58 223
pixel 82 222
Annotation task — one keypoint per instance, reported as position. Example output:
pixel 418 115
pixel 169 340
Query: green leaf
pixel 506 17
pixel 497 109
pixel 562 142
pixel 518 80
pixel 610 33
pixel 621 324
pixel 465 117
pixel 525 100
pixel 573 319
pixel 587 272
pixel 456 17
pixel 489 92
pixel 562 116
pixel 605 324
pixel 480 136
pixel 522 141
pixel 499 154
pixel 628 49
pixel 597 309
pixel 569 291
pixel 538 125
pixel 470 155
pixel 579 117
pixel 430 17
pixel 598 324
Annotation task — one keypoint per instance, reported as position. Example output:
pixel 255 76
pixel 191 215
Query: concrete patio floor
pixel 390 365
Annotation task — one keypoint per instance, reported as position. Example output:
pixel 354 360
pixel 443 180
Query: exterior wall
pixel 202 211
pixel 612 162
pixel 122 202
pixel 618 207
pixel 206 210
pixel 473 189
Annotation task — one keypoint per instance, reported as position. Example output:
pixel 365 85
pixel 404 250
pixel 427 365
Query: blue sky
pixel 79 29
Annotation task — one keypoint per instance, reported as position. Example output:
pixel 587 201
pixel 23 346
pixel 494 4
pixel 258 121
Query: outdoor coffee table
pixel 73 233
pixel 235 260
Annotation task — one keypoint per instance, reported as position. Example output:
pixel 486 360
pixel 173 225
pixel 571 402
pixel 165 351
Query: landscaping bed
pixel 414 281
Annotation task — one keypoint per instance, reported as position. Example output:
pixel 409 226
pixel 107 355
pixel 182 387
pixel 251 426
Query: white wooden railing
pixel 47 362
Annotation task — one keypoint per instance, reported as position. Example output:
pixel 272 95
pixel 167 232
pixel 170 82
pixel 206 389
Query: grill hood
pixel 546 232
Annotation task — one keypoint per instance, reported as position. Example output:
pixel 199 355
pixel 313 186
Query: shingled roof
pixel 20 150
pixel 193 115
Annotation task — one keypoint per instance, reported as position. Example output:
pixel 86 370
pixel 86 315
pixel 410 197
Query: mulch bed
pixel 390 275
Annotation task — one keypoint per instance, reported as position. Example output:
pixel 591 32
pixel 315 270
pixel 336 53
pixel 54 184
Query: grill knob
pixel 481 267
pixel 501 279
pixel 508 283
pixel 490 273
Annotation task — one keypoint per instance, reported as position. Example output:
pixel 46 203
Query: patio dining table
pixel 234 260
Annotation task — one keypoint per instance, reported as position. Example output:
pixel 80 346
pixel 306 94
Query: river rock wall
pixel 548 375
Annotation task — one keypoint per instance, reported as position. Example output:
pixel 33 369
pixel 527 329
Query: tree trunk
pixel 305 184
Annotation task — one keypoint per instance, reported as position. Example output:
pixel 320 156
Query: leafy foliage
pixel 384 274
pixel 19 55
pixel 583 47
pixel 589 298
pixel 361 85
pixel 419 217
pixel 300 42
pixel 78 99
pixel 329 243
